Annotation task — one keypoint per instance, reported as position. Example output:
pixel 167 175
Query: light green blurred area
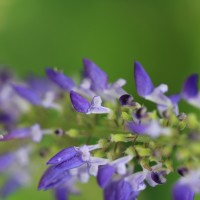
pixel 163 35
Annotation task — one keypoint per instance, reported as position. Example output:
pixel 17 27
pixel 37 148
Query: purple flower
pixel 61 193
pixel 60 79
pixel 11 105
pixel 99 82
pixel 190 90
pixel 175 100
pixel 153 177
pixel 126 100
pixel 6 160
pixel 73 157
pixel 34 133
pixel 53 178
pixel 99 79
pixel 119 190
pixel 82 105
pixel 190 181
pixel 106 172
pixel 27 94
pixel 38 92
pixel 151 128
pixel 14 182
pixel 64 190
pixel 146 89
pixel 182 192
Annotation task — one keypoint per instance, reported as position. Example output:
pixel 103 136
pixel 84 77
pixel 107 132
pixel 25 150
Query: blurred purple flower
pixel 190 90
pixel 34 133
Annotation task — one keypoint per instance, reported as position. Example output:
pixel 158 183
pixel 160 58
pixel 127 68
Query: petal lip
pixel 79 103
pixel 97 76
pixel 144 85
pixel 190 87
pixel 60 79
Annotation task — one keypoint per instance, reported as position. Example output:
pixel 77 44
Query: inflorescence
pixel 95 128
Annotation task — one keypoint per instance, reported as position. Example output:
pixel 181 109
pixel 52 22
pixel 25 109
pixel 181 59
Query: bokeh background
pixel 163 35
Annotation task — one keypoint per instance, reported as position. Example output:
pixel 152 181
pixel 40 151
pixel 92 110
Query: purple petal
pixel 126 100
pixel 62 156
pixel 6 118
pixel 79 103
pixel 144 85
pixel 60 79
pixel 137 128
pixel 104 175
pixel 61 193
pixel 71 163
pixel 6 160
pixel 17 134
pixel 182 192
pixel 52 178
pixel 28 94
pixel 175 98
pixel 98 77
pixel 123 190
pixel 190 87
pixel 40 85
pixel 110 191
pixel 10 187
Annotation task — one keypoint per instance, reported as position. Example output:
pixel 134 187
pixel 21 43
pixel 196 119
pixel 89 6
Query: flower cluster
pixel 95 128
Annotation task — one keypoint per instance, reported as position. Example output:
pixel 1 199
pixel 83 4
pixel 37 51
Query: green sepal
pixel 142 151
pixel 121 137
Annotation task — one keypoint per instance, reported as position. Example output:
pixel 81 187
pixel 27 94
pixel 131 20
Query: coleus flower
pixel 150 127
pixel 126 100
pixel 38 92
pixel 82 105
pixel 95 82
pixel 19 157
pixel 14 182
pixel 187 186
pixel 175 100
pixel 118 190
pixel 11 105
pixel 128 187
pixel 62 192
pixel 106 172
pixel 53 178
pixel 99 82
pixel 73 157
pixel 146 89
pixel 35 133
pixel 190 90
pixel 182 192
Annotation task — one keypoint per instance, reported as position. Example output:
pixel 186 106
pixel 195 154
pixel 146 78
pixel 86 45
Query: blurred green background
pixel 163 35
